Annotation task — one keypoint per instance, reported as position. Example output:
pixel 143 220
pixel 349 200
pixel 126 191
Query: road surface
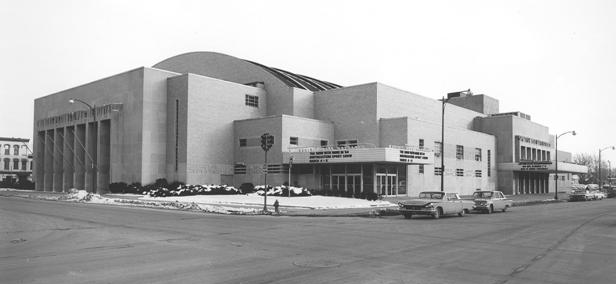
pixel 61 242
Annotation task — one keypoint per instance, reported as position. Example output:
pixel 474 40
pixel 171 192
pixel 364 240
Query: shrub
pixel 118 187
pixel 247 187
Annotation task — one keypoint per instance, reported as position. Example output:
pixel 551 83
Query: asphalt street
pixel 61 242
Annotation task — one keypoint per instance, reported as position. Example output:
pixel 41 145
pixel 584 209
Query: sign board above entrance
pixel 359 155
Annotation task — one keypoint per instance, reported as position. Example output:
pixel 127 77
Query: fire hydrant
pixel 276 204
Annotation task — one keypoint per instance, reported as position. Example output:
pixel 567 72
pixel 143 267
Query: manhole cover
pixel 318 263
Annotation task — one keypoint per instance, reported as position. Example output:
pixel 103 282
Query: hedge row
pixel 282 190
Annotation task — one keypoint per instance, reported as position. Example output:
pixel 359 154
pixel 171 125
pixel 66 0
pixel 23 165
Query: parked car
pixel 435 204
pixel 611 192
pixel 581 195
pixel 490 201
pixel 597 194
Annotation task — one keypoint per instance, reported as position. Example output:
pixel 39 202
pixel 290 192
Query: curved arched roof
pixel 297 80
pixel 181 63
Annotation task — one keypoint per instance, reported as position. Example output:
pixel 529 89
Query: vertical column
pixel 69 159
pixel 58 167
pixel 91 151
pixel 48 172
pixel 80 156
pixel 39 161
pixel 104 146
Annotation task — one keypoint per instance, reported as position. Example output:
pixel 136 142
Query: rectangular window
pixel 438 171
pixel 460 172
pixel 7 150
pixel 489 163
pixel 293 140
pixel 549 156
pixel 239 169
pixel 478 173
pixel 243 142
pixel 421 169
pixel 324 143
pixel 352 143
pixel 252 101
pixel 421 143
pixel 16 165
pixel 478 154
pixel 16 150
pixel 459 152
pixel 522 153
pixel 24 165
pixel 438 149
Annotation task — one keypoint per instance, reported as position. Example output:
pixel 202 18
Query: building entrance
pixel 349 183
pixel 387 184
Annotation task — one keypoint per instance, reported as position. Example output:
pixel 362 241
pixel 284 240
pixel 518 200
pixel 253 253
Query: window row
pixel 438 151
pixel 533 154
pixel 459 172
pixel 16 163
pixel 7 150
pixel 293 140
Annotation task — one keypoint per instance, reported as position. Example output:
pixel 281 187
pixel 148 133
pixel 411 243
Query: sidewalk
pixel 518 200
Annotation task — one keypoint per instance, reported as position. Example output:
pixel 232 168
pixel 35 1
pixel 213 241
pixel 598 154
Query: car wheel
pixel 505 208
pixel 461 214
pixel 438 213
pixel 490 209
pixel 408 215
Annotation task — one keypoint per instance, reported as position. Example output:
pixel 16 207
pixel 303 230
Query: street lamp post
pixel 601 150
pixel 93 111
pixel 556 164
pixel 443 100
pixel 290 166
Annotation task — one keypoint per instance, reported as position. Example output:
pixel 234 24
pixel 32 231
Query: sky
pixel 554 60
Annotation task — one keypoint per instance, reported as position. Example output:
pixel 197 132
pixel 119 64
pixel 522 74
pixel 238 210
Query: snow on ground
pixel 309 202
pixel 87 197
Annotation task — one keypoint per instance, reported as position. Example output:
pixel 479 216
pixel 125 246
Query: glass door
pixel 387 184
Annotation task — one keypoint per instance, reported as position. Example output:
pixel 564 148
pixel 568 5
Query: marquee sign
pixel 360 155
pixel 542 166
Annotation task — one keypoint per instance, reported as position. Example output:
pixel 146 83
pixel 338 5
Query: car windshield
pixel 431 195
pixel 482 194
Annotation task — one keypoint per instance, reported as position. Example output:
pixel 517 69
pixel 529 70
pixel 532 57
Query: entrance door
pixel 387 184
pixel 354 184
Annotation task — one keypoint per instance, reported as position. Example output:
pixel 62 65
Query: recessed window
pixel 438 171
pixel 293 140
pixel 243 142
pixel 324 143
pixel 478 173
pixel 16 165
pixel 16 150
pixel 239 169
pixel 459 152
pixel 478 154
pixel 421 143
pixel 460 172
pixel 421 169
pixel 252 101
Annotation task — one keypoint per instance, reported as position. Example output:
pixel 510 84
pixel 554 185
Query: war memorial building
pixel 198 117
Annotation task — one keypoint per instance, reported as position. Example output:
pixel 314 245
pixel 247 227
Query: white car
pixel 597 195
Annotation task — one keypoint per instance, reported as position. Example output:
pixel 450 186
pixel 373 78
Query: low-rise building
pixel 198 118
pixel 15 159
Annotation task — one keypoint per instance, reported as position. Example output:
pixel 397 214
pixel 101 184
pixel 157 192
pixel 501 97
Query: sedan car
pixel 435 204
pixel 489 201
